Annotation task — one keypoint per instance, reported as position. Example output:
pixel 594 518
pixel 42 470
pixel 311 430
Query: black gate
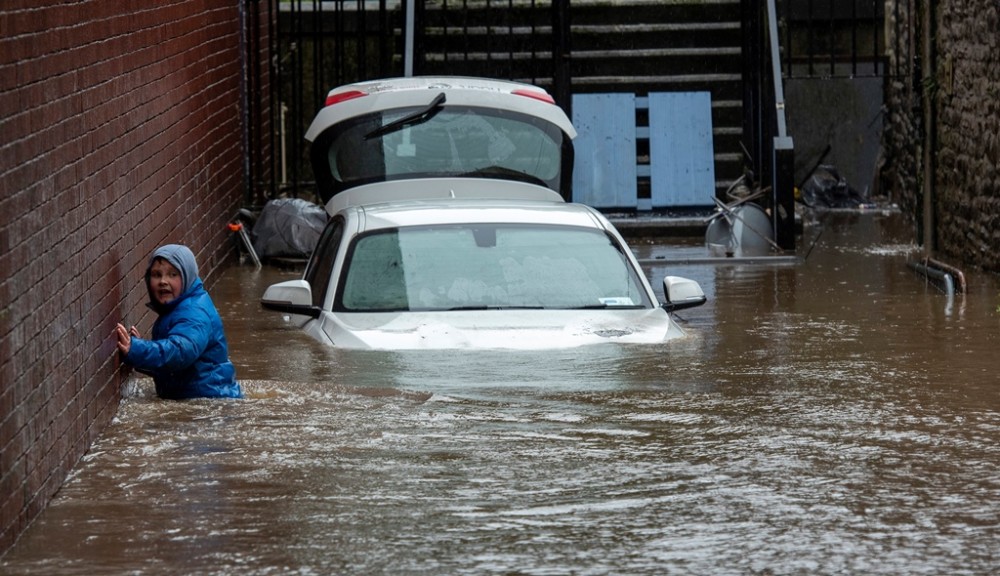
pixel 315 46
pixel 298 50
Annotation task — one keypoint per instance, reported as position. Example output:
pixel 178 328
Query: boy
pixel 188 356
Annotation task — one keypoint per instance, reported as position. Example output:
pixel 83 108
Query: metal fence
pixel 315 45
pixel 832 38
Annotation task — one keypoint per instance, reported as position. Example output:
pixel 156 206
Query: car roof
pixel 440 189
pixel 364 97
pixel 448 211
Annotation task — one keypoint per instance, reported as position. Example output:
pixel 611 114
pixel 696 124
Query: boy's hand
pixel 125 338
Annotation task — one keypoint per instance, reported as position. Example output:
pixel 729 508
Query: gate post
pixel 561 89
pixel 783 191
pixel 409 29
pixel 783 152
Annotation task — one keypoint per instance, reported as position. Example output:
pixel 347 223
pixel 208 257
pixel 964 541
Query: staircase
pixel 636 46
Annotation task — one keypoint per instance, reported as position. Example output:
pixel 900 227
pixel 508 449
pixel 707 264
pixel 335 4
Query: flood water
pixel 834 416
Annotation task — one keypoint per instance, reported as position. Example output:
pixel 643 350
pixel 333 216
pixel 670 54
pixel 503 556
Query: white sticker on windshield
pixel 617 301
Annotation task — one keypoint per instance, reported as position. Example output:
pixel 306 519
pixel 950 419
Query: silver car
pixel 448 228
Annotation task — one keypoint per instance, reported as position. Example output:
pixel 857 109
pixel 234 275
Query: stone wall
pixel 903 135
pixel 967 89
pixel 964 91
pixel 121 130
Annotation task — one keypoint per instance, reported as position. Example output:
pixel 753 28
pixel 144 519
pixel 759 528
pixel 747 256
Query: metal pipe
pixel 779 93
pixel 832 31
pixel 789 55
pixel 408 50
pixel 283 138
pixel 782 148
pixel 245 116
pixel 927 99
pixel 559 16
pixel 810 36
pixel 939 275
pixel 959 276
pixel 854 39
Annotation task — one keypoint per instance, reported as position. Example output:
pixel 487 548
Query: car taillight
pixel 543 96
pixel 344 96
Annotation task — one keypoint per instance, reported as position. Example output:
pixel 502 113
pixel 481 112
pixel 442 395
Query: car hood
pixel 494 329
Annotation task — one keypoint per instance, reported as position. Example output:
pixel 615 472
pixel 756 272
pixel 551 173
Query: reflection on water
pixel 831 416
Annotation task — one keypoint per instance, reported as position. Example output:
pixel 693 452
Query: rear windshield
pixel 487 267
pixel 447 141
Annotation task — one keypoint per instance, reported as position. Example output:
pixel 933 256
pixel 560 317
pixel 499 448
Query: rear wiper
pixel 418 117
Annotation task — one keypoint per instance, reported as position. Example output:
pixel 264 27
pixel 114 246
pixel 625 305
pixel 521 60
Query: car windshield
pixel 487 267
pixel 441 141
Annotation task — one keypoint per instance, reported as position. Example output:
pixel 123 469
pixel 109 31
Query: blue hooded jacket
pixel 188 356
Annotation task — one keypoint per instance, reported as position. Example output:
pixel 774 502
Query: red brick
pixel 122 133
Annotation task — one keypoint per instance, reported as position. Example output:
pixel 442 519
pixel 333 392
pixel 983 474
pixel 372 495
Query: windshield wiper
pixel 418 117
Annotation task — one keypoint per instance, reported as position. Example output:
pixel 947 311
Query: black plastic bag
pixel 826 188
pixel 288 227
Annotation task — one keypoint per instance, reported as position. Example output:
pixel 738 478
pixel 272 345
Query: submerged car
pixel 448 228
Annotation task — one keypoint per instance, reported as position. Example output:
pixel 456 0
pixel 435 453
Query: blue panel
pixel 604 173
pixel 682 154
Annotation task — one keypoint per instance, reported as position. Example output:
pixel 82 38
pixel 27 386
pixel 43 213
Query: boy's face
pixel 164 281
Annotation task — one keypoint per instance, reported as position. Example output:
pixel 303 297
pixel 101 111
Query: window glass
pixel 323 258
pixel 488 266
pixel 455 141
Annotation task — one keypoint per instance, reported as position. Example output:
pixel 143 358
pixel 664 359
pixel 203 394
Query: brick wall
pixel 965 93
pixel 120 130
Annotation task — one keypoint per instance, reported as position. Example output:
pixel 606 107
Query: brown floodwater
pixel 831 416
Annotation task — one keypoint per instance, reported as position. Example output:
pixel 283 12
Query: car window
pixel 488 266
pixel 455 141
pixel 321 264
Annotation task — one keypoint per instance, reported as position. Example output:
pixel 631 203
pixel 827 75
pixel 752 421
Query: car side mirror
pixel 292 297
pixel 681 293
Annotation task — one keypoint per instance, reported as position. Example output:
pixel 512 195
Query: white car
pixel 448 228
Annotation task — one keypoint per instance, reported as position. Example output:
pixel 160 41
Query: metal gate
pixel 296 51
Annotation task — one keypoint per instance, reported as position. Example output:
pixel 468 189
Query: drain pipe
pixel 245 104
pixel 928 96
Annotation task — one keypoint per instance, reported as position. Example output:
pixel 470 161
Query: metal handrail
pixel 770 148
pixel 779 92
pixel 783 151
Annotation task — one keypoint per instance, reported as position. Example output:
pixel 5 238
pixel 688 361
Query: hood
pixel 507 329
pixel 180 257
